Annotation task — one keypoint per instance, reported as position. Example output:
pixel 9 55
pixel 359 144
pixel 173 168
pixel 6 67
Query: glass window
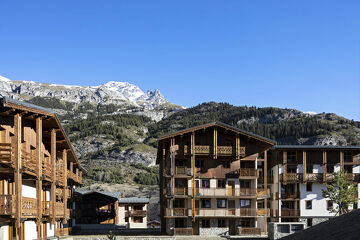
pixel 245 203
pixel 283 228
pixel 329 205
pixel 205 223
pixel 221 183
pixel 205 183
pixel 221 203
pixel 205 203
pixel 309 169
pixel 308 204
pixel 221 223
pixel 309 187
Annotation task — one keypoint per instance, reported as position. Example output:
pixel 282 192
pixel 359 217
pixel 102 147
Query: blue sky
pixel 294 54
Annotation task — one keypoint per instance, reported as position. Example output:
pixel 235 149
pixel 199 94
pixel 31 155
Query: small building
pixel 133 212
pixel 95 208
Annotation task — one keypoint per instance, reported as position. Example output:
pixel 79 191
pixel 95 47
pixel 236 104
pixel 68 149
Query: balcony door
pixel 231 188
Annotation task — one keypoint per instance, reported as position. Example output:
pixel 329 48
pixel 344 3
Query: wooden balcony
pixel 46 208
pixel 248 172
pixel 290 212
pixel 208 149
pixel 46 170
pixel 249 231
pixel 248 212
pixel 28 162
pixel 291 177
pixel 225 192
pixel 59 209
pixel 290 195
pixel 6 153
pixel 181 170
pixel 29 206
pixel 181 191
pixel 138 213
pixel 7 204
pixel 263 193
pixel 176 212
pixel 263 212
pixel 75 177
pixel 314 177
pixel 183 231
pixel 62 232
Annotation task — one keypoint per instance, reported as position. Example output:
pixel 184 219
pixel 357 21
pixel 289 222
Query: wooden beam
pixel 265 170
pixel 237 146
pixel 64 157
pixel 17 173
pixel 215 143
pixel 53 167
pixel 304 167
pixel 192 160
pixel 324 156
pixel 39 160
pixel 284 166
pixel 341 160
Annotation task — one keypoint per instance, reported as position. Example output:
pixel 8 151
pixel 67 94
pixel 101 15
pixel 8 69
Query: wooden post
pixel 39 160
pixel 237 143
pixel 215 139
pixel 284 166
pixel 17 173
pixel 172 164
pixel 265 188
pixel 64 157
pixel 304 167
pixel 72 169
pixel 324 166
pixel 192 156
pixel 341 160
pixel 53 166
pixel 117 212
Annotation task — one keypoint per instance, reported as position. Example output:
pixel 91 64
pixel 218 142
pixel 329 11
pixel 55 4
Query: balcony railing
pixel 138 213
pixel 62 231
pixel 183 231
pixel 292 195
pixel 290 212
pixel 263 211
pixel 7 204
pixel 249 231
pixel 263 192
pixel 46 208
pixel 314 177
pixel 46 170
pixel 220 192
pixel 6 153
pixel 29 206
pixel 208 149
pixel 291 177
pixel 59 209
pixel 28 163
pixel 248 172
pixel 176 212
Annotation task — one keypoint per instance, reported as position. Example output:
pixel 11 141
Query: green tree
pixel 341 192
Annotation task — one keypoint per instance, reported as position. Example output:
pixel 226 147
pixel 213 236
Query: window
pixel 179 223
pixel 244 184
pixel 329 205
pixel 221 183
pixel 348 157
pixel 137 219
pixel 308 204
pixel 309 222
pixel 205 203
pixel 283 228
pixel 138 207
pixel 221 203
pixel 330 168
pixel 309 187
pixel 179 203
pixel 179 183
pixel 309 169
pixel 205 183
pixel 291 168
pixel 245 203
pixel 127 219
pixel 199 163
pixel 205 223
pixel 291 157
pixel 297 227
pixel 221 223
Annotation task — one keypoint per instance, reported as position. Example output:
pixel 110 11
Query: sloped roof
pixel 316 147
pixel 9 101
pixel 223 125
pixel 134 200
pixel 344 227
pixel 115 195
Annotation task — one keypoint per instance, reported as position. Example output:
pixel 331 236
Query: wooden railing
pixel 208 149
pixel 59 209
pixel 249 212
pixel 29 206
pixel 7 204
pixel 46 208
pixel 314 177
pixel 263 211
pixel 178 212
pixel 293 195
pixel 138 213
pixel 249 231
pixel 28 163
pixel 46 169
pixel 183 231
pixel 225 150
pixel 180 191
pixel 290 212
pixel 62 231
pixel 181 170
pixel 248 172
pixel 6 153
pixel 263 192
pixel 291 177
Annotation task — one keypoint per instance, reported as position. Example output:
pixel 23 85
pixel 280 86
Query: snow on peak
pixel 4 79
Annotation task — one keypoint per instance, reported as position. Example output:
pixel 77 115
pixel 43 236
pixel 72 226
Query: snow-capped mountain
pixel 109 93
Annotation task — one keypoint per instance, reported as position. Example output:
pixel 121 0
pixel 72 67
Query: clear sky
pixel 295 54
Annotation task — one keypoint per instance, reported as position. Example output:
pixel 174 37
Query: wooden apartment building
pixel 38 171
pixel 216 179
pixel 213 180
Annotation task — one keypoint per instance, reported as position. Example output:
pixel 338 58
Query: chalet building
pixel 217 179
pixel 95 209
pixel 213 180
pixel 38 172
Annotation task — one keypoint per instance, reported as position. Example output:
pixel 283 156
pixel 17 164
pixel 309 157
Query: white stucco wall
pixel 50 229
pixel 29 190
pixel 4 232
pixel 319 203
pixel 30 230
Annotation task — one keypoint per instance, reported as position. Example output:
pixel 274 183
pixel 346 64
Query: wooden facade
pixel 38 169
pixel 213 176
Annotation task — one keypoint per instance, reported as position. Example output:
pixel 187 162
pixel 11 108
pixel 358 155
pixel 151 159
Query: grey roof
pixel 116 195
pixel 134 200
pixel 25 104
pixel 316 147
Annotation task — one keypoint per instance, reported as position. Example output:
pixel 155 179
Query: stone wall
pixel 275 233
pixel 214 230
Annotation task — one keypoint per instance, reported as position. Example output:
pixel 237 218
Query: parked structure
pixel 38 171
pixel 217 179
pixel 95 208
